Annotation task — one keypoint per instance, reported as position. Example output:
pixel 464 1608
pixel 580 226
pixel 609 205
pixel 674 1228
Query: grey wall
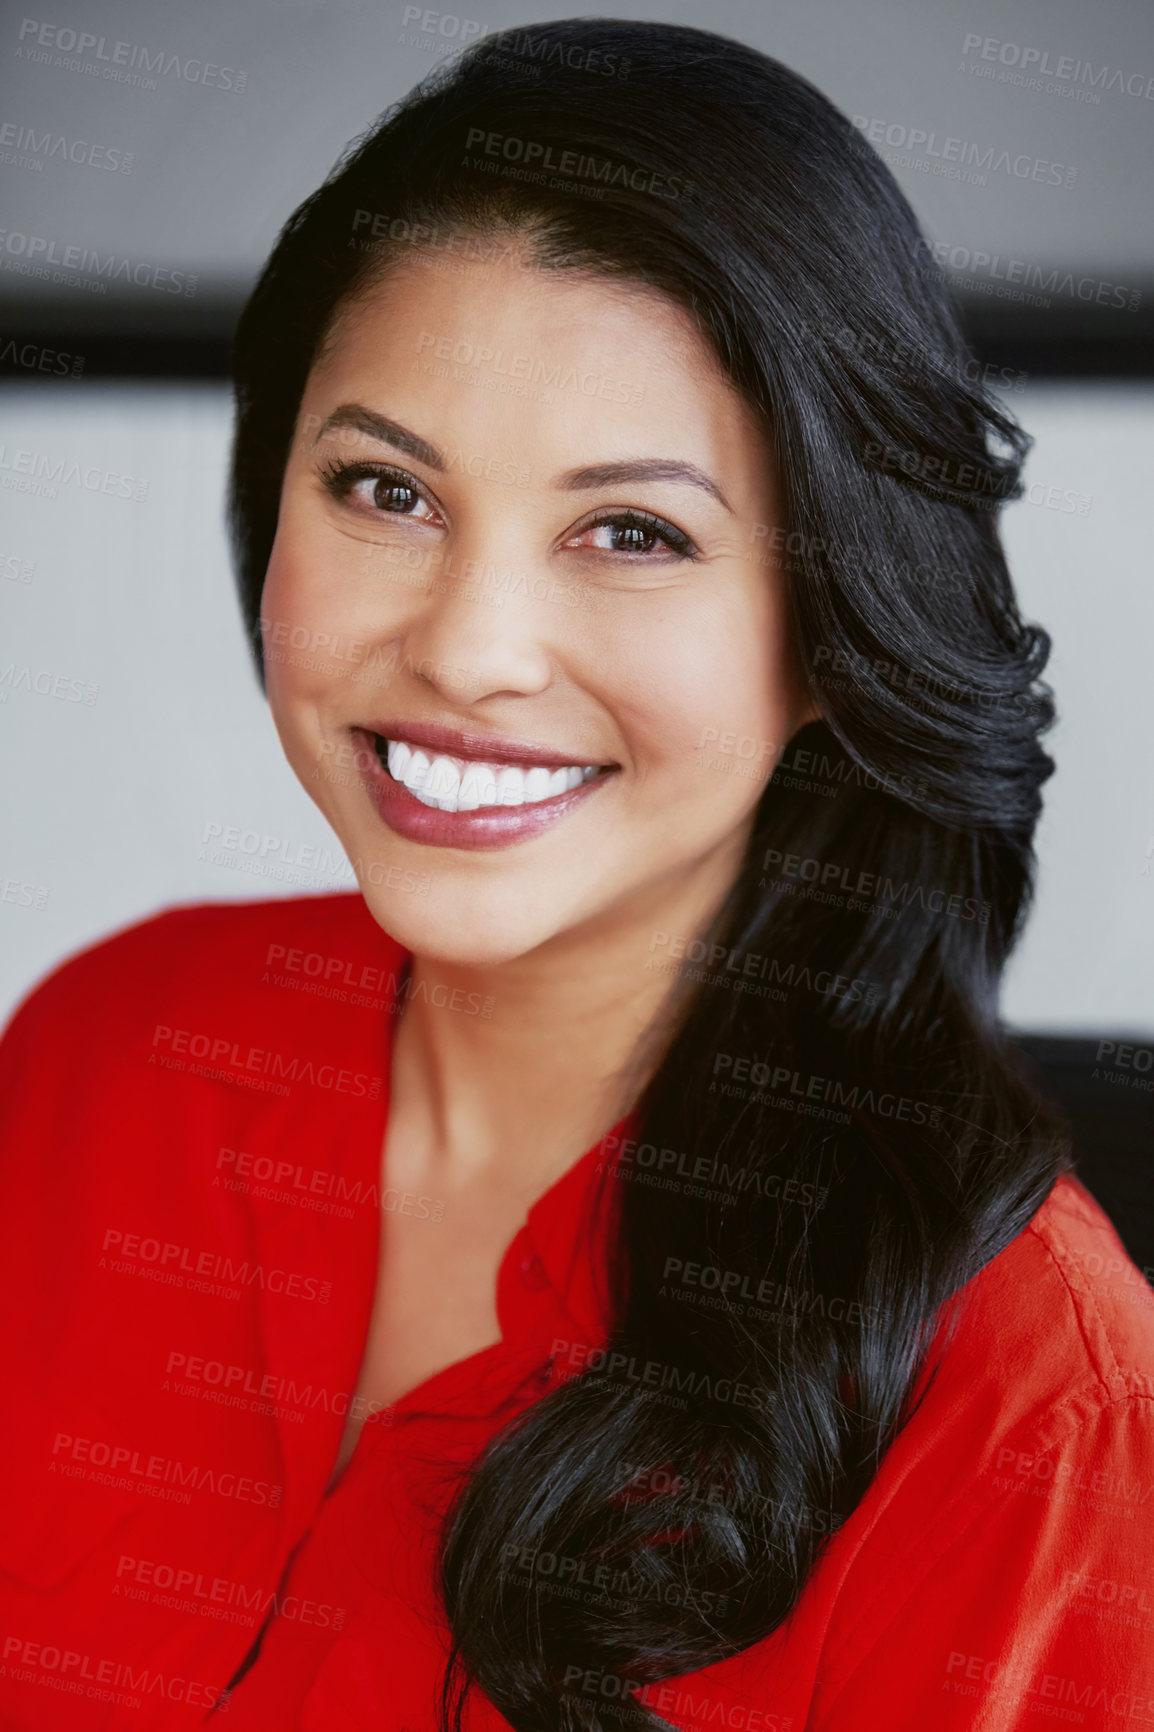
pixel 216 171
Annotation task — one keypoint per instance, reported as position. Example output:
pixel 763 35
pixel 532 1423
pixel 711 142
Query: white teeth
pixel 442 785
pixel 478 788
pixel 416 771
pixel 537 783
pixel 463 785
pixel 399 756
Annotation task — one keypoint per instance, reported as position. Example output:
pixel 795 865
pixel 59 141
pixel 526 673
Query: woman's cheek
pixel 711 690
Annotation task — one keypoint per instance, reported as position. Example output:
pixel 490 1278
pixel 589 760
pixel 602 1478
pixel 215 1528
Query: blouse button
pixel 533 1273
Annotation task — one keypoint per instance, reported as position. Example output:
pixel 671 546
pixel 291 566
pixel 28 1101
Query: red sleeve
pixel 1039 1606
pixel 100 1143
pixel 92 1138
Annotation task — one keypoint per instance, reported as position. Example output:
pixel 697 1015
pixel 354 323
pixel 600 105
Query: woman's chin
pixel 457 930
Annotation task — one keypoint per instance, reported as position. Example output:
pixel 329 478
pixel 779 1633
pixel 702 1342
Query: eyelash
pixel 631 518
pixel 340 478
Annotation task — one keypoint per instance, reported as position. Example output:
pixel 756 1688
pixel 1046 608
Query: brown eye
pixel 636 533
pixel 631 538
pixel 395 496
pixel 372 489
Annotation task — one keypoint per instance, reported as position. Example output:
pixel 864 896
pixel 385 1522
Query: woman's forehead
pixel 545 357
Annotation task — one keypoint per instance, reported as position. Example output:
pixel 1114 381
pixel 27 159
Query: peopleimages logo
pixel 526 368
pixel 697 1710
pixel 946 153
pixel 40 467
pixel 808 870
pixel 38 358
pixel 124 62
pixel 975 263
pixel 819 1088
pixel 219 1266
pixel 46 684
pixel 285 1181
pixel 445 24
pixel 556 1572
pixel 1036 64
pixel 608 1363
pixel 233 1383
pixel 99 1678
pixel 38 252
pixel 531 153
pixel 603 64
pixel 16 139
pixel 233 1063
pixel 219 1595
pixel 133 1470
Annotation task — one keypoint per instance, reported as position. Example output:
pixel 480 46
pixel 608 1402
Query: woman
pixel 610 1271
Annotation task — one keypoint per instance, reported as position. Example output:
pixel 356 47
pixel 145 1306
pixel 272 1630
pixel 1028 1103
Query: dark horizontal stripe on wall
pixel 192 340
pixel 1063 341
pixel 114 355
pixel 1104 1086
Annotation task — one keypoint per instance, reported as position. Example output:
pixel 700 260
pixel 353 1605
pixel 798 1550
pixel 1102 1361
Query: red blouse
pixel 191 1137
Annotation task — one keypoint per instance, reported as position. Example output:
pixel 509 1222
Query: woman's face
pixel 522 537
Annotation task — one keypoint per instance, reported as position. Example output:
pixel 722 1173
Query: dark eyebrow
pixel 642 469
pixel 364 420
pixel 368 421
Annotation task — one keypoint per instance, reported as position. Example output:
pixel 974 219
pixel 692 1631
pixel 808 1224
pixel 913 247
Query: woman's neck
pixel 514 1069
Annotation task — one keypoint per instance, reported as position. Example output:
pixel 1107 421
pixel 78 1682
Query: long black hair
pixel 835 1138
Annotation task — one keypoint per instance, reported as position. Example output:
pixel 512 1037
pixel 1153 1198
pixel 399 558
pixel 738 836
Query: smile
pixel 466 784
pixel 482 794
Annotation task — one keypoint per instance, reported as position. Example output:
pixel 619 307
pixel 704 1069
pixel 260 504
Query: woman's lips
pixel 487 826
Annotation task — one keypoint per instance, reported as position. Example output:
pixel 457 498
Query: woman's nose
pixel 477 626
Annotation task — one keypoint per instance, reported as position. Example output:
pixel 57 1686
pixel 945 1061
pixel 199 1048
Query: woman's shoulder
pixel 1110 1299
pixel 1064 1318
pixel 1015 1503
pixel 996 1561
pixel 205 957
pixel 1040 1382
